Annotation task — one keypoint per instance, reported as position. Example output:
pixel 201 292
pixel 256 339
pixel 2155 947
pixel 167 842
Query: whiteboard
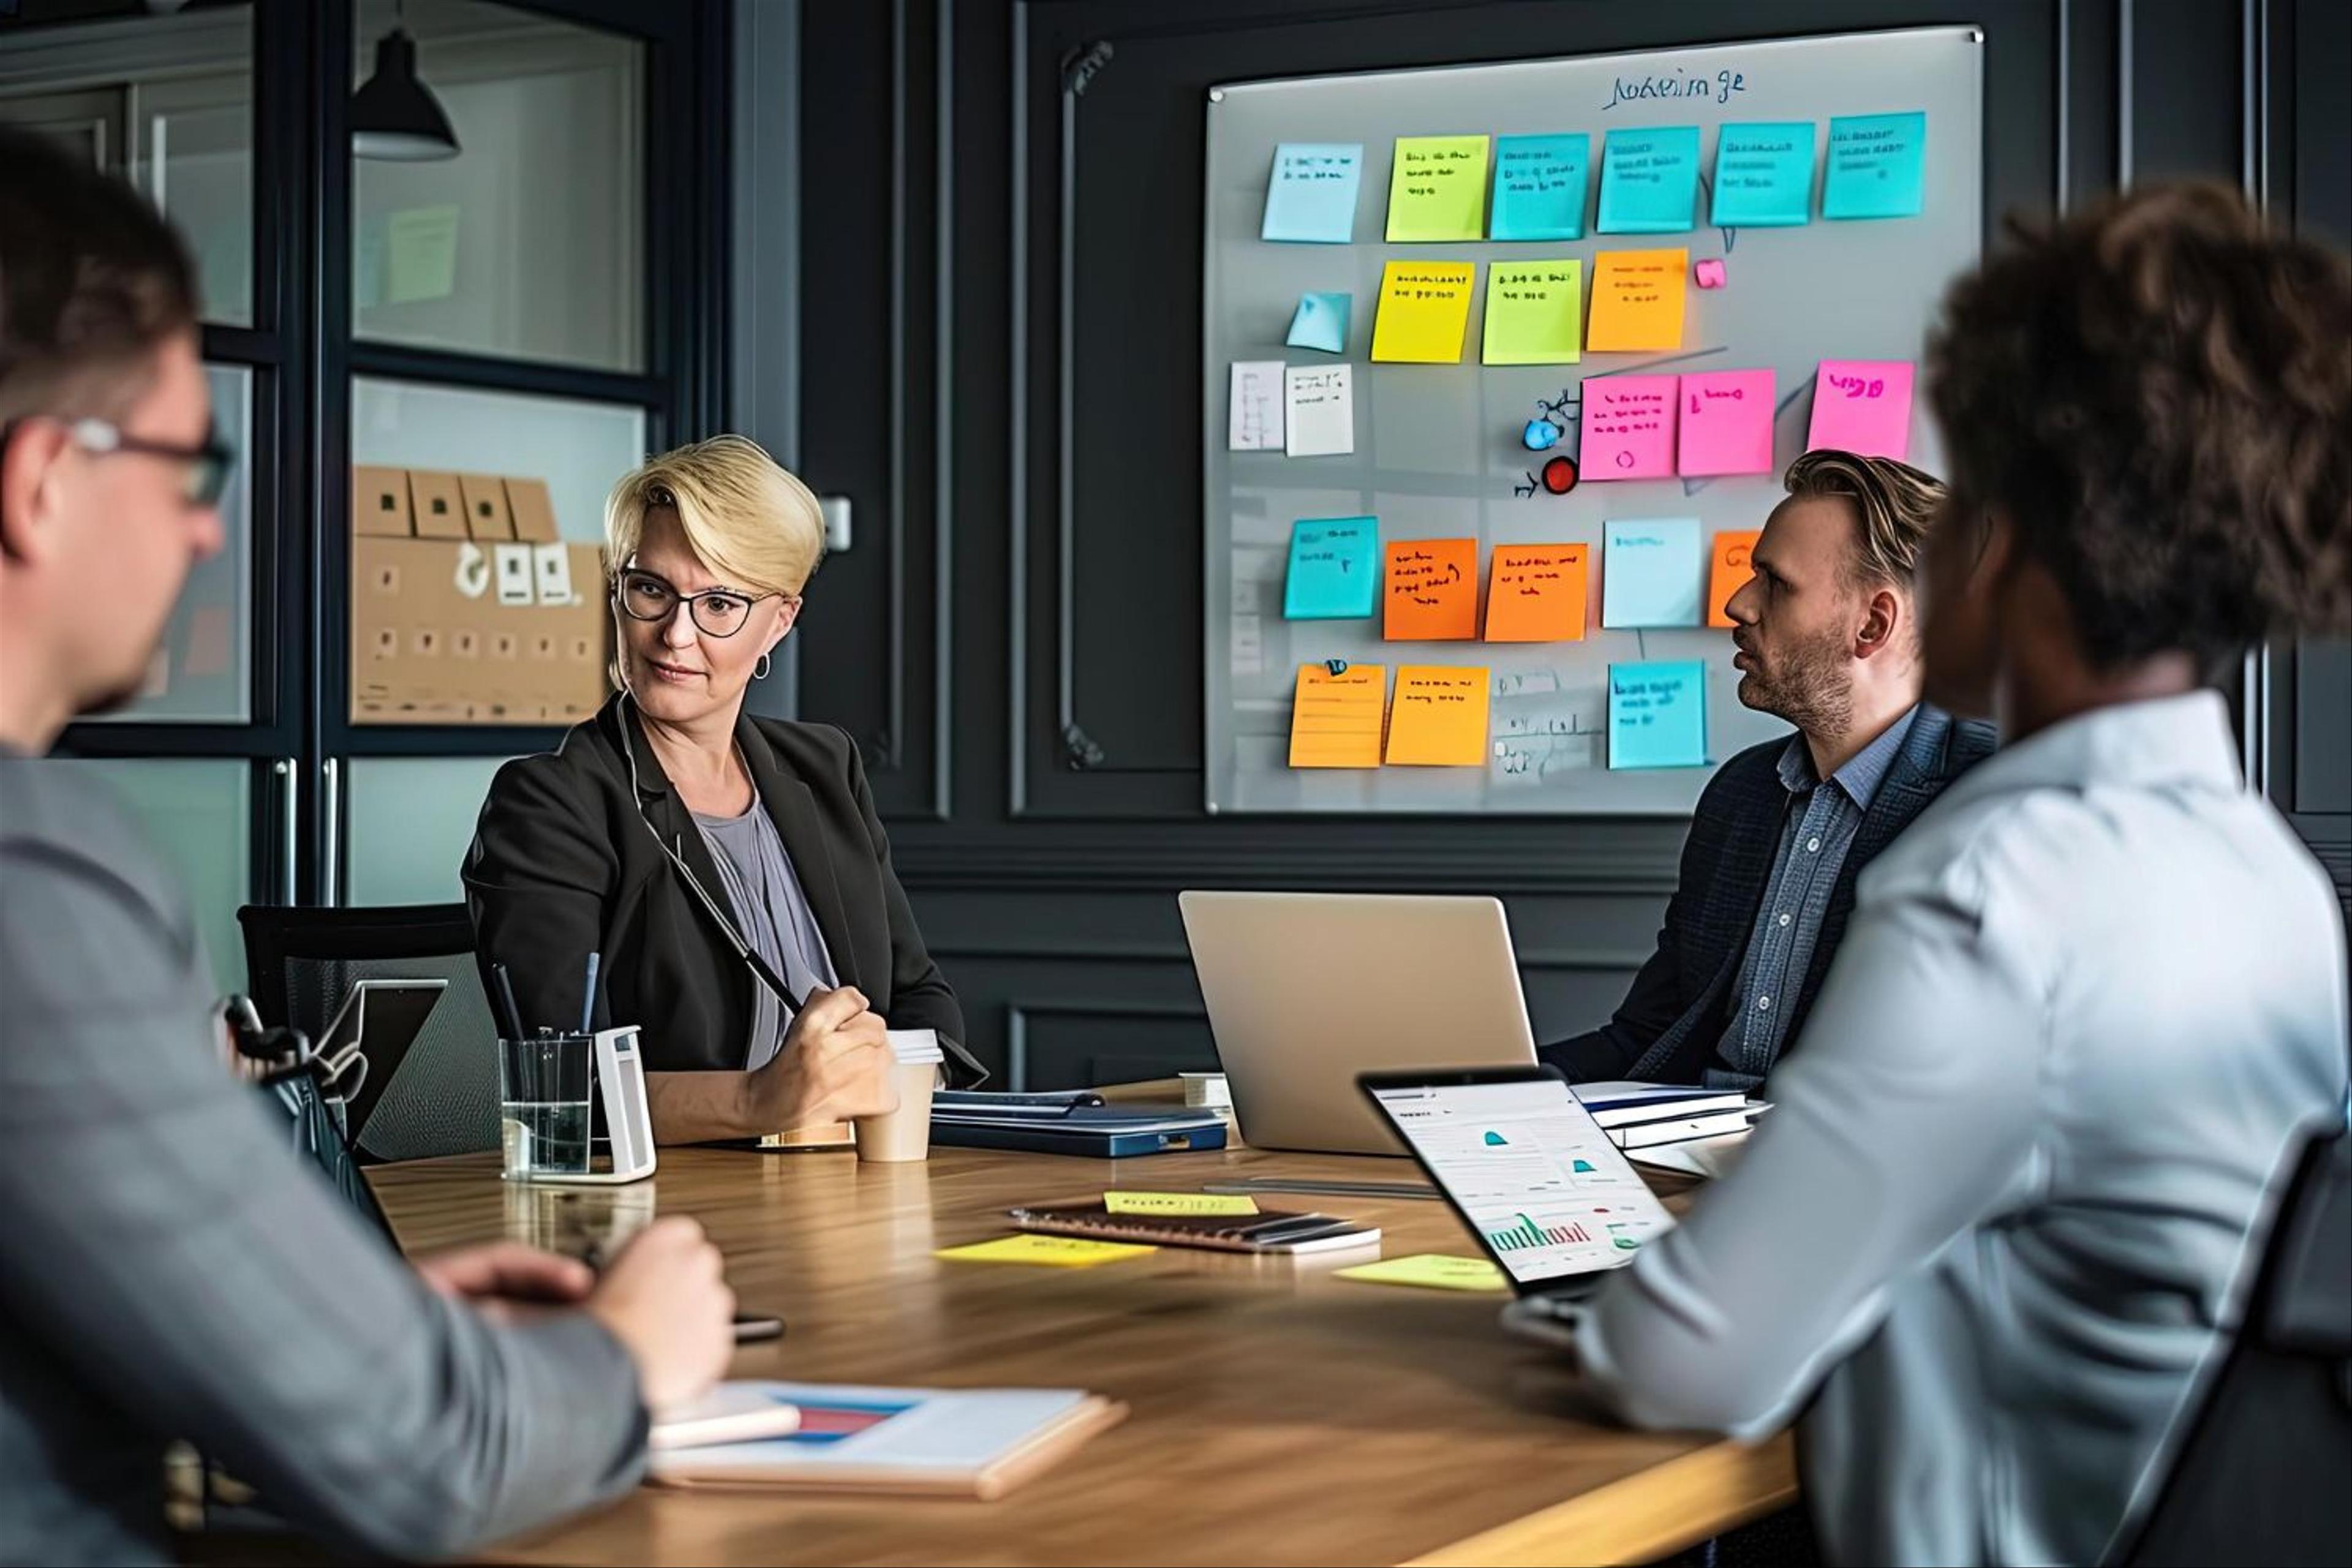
pixel 1437 448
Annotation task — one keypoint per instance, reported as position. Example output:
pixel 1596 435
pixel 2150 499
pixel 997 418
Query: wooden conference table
pixel 1279 1416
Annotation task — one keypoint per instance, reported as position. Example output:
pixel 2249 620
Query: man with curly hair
pixel 2094 997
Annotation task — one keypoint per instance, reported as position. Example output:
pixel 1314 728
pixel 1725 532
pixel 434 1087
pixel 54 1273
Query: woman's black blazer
pixel 568 860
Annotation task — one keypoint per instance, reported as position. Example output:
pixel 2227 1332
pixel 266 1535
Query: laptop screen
pixel 1546 1192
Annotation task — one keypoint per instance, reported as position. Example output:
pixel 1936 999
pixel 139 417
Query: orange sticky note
pixel 1637 300
pixel 1729 574
pixel 1536 594
pixel 1336 719
pixel 1440 717
pixel 1433 590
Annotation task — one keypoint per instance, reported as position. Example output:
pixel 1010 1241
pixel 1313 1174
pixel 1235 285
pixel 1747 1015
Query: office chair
pixel 300 962
pixel 2257 1475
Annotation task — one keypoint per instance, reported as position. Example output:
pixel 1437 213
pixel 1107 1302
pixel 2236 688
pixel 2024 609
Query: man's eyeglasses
pixel 717 612
pixel 205 466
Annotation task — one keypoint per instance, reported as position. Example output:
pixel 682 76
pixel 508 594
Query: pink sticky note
pixel 1629 428
pixel 1726 422
pixel 1862 405
pixel 1708 274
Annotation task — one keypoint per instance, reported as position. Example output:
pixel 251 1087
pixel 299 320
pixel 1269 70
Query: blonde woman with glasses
pixel 729 871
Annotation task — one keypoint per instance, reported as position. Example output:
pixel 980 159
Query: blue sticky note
pixel 1539 183
pixel 1877 165
pixel 1320 323
pixel 1335 569
pixel 1648 181
pixel 1764 175
pixel 1312 197
pixel 1658 714
pixel 1652 572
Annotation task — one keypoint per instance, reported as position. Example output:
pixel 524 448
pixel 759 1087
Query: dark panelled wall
pixel 998 260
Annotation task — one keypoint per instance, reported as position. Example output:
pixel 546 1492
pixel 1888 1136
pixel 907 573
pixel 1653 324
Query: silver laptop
pixel 1306 991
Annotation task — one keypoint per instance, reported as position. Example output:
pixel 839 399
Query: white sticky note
pixel 1254 424
pixel 1320 414
pixel 551 567
pixel 518 583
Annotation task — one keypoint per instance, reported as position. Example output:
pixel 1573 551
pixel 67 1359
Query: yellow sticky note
pixel 1424 312
pixel 1534 312
pixel 1337 720
pixel 1437 189
pixel 1431 1270
pixel 1180 1203
pixel 1053 1251
pixel 1637 300
pixel 1440 717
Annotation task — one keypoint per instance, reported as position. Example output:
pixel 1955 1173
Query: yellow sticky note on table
pixel 1439 719
pixel 1053 1251
pixel 1637 300
pixel 1534 312
pixel 1430 1271
pixel 1424 312
pixel 1437 189
pixel 1337 720
pixel 1180 1203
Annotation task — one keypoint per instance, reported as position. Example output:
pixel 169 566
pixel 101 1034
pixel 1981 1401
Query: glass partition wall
pixel 527 302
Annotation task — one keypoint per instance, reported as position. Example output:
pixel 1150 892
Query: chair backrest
pixel 2257 1475
pixel 300 962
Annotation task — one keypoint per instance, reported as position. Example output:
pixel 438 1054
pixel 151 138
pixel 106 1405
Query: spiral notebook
pixel 1268 1230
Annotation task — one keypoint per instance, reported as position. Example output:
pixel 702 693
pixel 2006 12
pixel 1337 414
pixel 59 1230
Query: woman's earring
pixel 760 670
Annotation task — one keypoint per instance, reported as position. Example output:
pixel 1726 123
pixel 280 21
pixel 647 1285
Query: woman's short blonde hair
pixel 747 518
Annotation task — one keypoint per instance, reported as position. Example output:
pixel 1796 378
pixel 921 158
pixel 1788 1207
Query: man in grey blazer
pixel 169 1268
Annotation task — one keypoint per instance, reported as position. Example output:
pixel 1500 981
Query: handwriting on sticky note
pixel 1253 423
pixel 1726 423
pixel 1053 1251
pixel 1658 714
pixel 1637 300
pixel 1429 1271
pixel 1424 312
pixel 1649 179
pixel 1433 590
pixel 1339 720
pixel 1335 569
pixel 1877 166
pixel 1437 189
pixel 1629 428
pixel 1862 405
pixel 1311 197
pixel 1536 594
pixel 1534 311
pixel 1439 719
pixel 1318 410
pixel 1539 185
pixel 1763 175
pixel 1650 572
pixel 1729 572
pixel 1179 1202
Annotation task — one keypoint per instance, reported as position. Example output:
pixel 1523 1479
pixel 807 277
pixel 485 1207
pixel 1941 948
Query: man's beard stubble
pixel 1807 687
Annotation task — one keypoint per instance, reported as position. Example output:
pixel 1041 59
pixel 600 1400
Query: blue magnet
pixel 1540 435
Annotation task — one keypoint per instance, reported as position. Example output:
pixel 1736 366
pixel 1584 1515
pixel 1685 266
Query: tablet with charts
pixel 1552 1199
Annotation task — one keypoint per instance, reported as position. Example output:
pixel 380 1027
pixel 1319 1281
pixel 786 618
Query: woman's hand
pixel 835 1066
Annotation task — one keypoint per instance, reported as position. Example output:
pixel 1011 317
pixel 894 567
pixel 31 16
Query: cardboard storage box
pixel 380 502
pixel 433 644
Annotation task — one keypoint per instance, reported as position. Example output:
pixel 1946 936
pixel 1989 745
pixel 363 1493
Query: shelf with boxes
pixel 467 607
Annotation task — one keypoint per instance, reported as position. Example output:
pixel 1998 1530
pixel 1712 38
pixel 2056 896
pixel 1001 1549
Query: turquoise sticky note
pixel 1764 175
pixel 1877 166
pixel 1653 571
pixel 1648 181
pixel 1658 714
pixel 1540 184
pixel 1312 196
pixel 1320 323
pixel 1335 569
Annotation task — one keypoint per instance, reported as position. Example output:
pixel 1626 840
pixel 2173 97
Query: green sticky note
pixel 1180 1203
pixel 1430 1271
pixel 1534 313
pixel 1437 189
pixel 420 254
pixel 1877 166
pixel 1053 1251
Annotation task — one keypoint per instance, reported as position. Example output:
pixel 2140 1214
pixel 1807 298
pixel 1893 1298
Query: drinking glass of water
pixel 543 1104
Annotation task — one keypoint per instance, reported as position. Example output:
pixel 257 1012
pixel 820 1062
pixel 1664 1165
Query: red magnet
pixel 1559 475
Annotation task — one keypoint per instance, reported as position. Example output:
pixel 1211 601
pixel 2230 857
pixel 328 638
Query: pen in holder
pixel 549 1085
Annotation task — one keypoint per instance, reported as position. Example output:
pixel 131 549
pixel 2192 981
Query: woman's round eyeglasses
pixel 718 611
